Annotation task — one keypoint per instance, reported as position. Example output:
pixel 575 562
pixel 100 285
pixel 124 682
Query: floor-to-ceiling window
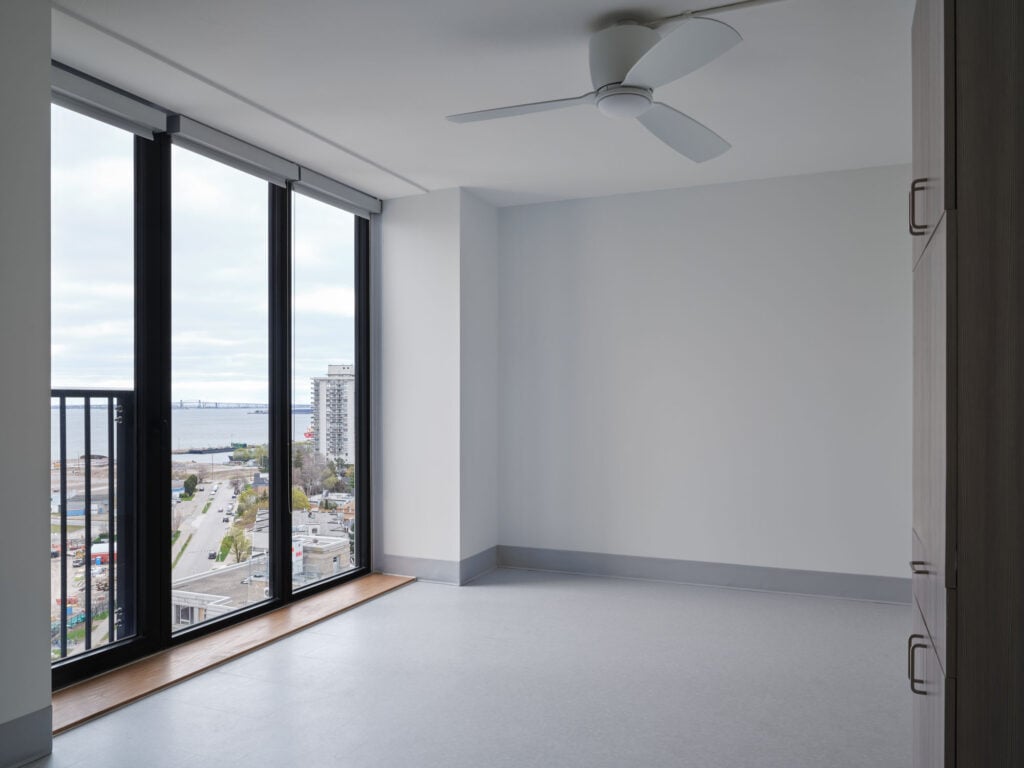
pixel 92 376
pixel 324 374
pixel 220 494
pixel 195 308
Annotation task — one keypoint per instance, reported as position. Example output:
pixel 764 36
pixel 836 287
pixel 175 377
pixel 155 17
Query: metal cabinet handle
pixel 910 662
pixel 918 566
pixel 911 659
pixel 917 185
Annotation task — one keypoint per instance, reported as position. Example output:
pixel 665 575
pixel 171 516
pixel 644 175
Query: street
pixel 207 530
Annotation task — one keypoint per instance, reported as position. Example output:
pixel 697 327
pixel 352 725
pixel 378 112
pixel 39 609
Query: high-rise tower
pixel 333 404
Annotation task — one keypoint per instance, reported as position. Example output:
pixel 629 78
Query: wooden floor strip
pixel 96 696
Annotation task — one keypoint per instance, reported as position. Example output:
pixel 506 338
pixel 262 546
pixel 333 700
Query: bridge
pixel 183 404
pixel 217 404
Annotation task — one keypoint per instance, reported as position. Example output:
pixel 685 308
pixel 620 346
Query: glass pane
pixel 323 392
pixel 219 389
pixel 92 347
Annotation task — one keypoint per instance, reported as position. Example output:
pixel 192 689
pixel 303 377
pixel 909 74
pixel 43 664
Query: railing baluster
pixel 127 516
pixel 88 523
pixel 117 594
pixel 111 517
pixel 63 527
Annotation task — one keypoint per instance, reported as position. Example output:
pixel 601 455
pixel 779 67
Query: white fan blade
pixel 521 109
pixel 690 46
pixel 684 134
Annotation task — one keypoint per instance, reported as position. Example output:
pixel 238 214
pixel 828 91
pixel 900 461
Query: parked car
pixel 211 555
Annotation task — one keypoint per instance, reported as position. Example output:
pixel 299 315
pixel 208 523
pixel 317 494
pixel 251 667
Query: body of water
pixel 191 428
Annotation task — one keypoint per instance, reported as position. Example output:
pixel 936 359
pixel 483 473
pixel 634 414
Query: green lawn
pixel 181 551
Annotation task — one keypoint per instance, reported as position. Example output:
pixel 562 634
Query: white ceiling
pixel 358 89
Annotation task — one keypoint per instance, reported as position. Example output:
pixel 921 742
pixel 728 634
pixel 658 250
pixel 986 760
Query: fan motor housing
pixel 614 50
pixel 623 101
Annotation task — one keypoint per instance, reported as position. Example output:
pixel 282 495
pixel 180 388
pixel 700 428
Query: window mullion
pixel 280 297
pixel 153 385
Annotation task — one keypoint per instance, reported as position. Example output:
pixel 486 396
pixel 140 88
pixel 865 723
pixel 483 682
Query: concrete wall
pixel 715 374
pixel 24 379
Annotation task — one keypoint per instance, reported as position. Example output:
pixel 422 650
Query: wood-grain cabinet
pixel 965 648
pixel 933 574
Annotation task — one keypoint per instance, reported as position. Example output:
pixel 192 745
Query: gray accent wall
pixel 888 589
pixel 25 380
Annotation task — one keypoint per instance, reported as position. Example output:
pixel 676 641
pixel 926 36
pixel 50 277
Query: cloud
pixel 337 300
pixel 219 285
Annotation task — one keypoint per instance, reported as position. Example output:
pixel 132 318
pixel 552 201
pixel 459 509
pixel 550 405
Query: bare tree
pixel 240 546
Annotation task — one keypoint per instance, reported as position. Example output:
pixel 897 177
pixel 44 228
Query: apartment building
pixel 332 398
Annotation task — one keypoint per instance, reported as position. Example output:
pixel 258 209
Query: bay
pixel 191 428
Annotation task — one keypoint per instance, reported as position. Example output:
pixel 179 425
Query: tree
pixel 248 503
pixel 246 500
pixel 177 517
pixel 240 545
pixel 255 453
pixel 309 473
pixel 190 485
pixel 299 499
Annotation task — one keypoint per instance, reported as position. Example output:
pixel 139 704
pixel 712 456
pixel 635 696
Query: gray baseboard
pixel 422 568
pixel 26 738
pixel 887 589
pixel 477 565
pixel 441 571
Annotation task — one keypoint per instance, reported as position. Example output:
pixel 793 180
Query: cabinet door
pixel 933 526
pixel 928 683
pixel 932 118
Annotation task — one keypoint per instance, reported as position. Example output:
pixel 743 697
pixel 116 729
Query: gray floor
pixel 537 669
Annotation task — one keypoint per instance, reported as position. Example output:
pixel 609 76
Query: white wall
pixel 25 352
pixel 419 377
pixel 479 335
pixel 718 374
pixel 437 497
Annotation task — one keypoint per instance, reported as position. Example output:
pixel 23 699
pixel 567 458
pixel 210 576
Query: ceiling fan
pixel 629 60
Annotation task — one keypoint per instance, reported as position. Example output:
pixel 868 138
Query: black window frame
pixel 152 443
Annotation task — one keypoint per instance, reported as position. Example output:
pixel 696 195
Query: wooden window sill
pixel 96 696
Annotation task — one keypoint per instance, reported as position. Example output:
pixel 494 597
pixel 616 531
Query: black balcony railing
pixel 101 486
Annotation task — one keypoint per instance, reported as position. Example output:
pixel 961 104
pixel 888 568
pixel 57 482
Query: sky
pixel 219 272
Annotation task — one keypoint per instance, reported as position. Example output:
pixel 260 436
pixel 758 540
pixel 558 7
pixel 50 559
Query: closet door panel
pixel 930 480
